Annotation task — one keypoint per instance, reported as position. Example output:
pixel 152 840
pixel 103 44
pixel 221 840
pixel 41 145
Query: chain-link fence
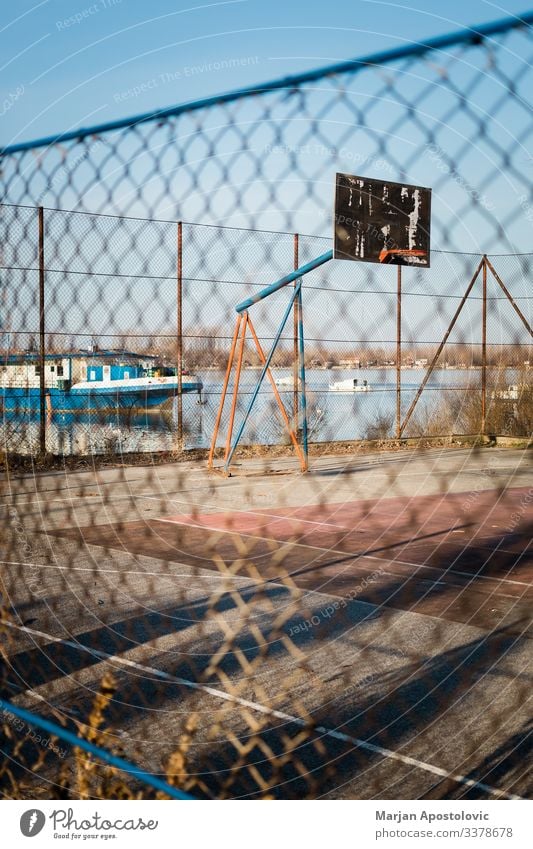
pixel 357 632
pixel 159 297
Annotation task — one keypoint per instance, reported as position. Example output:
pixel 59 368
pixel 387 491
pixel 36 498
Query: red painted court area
pixel 461 556
pixel 464 557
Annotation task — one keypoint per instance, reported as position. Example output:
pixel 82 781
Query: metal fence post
pixel 180 333
pixel 301 353
pixel 296 352
pixel 484 351
pixel 399 353
pixel 42 360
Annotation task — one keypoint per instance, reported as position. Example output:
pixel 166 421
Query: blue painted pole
pixel 262 375
pixel 102 754
pixel 301 355
pixel 467 35
pixel 284 281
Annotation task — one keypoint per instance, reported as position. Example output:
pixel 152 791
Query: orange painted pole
pixel 270 376
pixel 236 386
pixel 224 391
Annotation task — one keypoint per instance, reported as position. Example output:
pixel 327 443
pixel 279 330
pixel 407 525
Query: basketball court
pixel 366 614
pixel 389 626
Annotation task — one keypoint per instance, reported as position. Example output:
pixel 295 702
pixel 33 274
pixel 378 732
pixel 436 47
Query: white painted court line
pixel 256 513
pixel 277 714
pixel 139 572
pixel 357 555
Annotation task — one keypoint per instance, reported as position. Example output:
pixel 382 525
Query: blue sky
pixel 71 63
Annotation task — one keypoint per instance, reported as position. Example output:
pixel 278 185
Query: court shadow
pixel 509 766
pixel 403 707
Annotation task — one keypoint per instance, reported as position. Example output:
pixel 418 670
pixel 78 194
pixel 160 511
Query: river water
pixel 332 415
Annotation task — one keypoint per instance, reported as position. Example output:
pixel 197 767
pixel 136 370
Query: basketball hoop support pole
pixel 284 281
pixel 301 362
pixel 399 352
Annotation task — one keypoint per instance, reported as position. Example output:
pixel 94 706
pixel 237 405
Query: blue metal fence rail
pixel 470 35
pixel 103 755
pixel 264 156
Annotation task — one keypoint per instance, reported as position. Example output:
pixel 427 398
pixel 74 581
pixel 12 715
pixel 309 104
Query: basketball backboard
pixel 381 221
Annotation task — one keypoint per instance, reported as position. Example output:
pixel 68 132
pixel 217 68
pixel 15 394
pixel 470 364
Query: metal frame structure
pixel 295 303
pixel 244 321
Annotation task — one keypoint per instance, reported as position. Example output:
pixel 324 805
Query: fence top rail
pixel 467 35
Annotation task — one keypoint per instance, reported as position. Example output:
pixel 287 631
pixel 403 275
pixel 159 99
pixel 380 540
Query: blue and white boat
pixel 89 380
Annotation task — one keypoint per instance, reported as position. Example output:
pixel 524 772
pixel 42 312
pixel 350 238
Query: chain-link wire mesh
pixel 111 290
pixel 357 632
pixel 454 115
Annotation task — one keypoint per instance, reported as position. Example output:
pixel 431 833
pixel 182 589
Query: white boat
pixel 350 385
pixel 287 382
